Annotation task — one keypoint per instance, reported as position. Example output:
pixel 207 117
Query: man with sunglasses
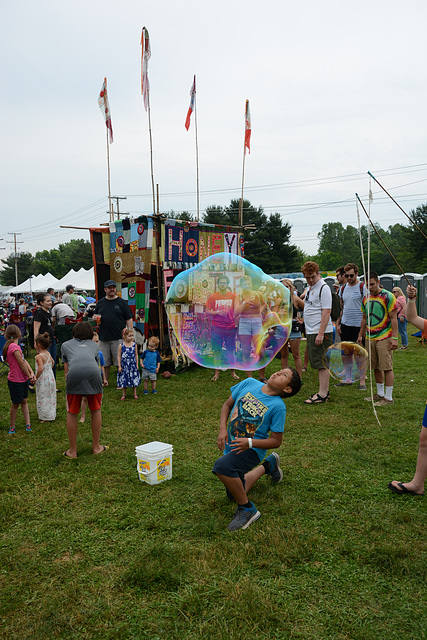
pixel 350 320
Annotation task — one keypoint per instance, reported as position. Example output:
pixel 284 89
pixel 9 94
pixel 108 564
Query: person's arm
pixel 141 360
pixel 23 365
pixel 362 332
pixel 119 358
pixel 393 317
pixel 65 369
pixel 242 444
pixel 136 354
pixel 225 412
pixel 129 323
pixel 411 308
pixel 40 366
pixel 159 361
pixel 326 314
pixel 36 330
pixel 104 379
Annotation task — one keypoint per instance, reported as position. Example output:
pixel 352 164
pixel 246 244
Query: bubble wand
pixel 397 204
pixel 376 231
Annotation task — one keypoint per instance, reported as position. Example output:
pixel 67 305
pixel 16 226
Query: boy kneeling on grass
pixel 256 423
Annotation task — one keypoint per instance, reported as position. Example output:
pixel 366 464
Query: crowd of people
pixel 252 419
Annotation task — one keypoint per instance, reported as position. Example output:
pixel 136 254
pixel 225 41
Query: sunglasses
pixel 349 275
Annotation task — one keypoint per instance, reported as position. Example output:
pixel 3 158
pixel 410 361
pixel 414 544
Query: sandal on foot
pixel 68 457
pixel 105 447
pixel 317 399
pixel 403 490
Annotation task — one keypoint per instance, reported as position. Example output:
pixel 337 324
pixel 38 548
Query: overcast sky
pixel 336 88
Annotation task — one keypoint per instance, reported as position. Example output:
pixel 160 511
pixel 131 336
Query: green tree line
pixel 70 255
pixel 268 245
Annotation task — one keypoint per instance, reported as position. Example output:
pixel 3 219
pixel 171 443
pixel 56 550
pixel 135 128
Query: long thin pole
pixel 197 157
pixel 243 182
pixel 151 156
pixel 110 206
pixel 397 204
pixel 374 228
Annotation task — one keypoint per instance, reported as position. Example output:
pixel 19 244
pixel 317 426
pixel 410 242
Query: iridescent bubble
pixel 227 313
pixel 346 361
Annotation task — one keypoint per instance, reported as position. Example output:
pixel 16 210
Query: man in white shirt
pixel 318 327
pixel 60 311
pixel 350 320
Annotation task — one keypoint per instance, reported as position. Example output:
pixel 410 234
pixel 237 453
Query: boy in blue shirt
pixel 256 422
pixel 150 363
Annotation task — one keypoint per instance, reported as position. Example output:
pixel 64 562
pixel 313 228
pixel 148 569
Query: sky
pixel 336 89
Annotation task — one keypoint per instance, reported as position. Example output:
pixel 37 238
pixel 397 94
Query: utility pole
pixel 117 198
pixel 16 255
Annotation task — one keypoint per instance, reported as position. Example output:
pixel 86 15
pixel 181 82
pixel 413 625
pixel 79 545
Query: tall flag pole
pixel 105 109
pixel 246 145
pixel 145 91
pixel 192 108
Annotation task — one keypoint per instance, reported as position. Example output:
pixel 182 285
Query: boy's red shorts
pixel 74 401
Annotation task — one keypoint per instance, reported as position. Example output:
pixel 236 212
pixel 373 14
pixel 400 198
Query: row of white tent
pixel 82 280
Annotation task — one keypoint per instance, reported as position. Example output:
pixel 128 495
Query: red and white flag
pixel 191 107
pixel 248 129
pixel 105 108
pixel 145 56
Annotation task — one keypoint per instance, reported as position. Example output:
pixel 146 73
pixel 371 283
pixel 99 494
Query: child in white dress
pixel 45 380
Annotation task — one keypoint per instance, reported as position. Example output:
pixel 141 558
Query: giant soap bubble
pixel 347 361
pixel 227 313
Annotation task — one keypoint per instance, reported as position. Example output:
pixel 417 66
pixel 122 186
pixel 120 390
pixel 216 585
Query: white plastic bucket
pixel 154 462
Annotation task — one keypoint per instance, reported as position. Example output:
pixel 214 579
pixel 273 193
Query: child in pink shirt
pixel 20 373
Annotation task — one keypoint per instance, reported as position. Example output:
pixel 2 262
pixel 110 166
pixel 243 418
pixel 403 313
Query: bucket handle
pixel 148 473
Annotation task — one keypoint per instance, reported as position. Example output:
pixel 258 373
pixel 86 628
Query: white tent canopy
pixel 27 285
pixel 81 280
pixel 45 282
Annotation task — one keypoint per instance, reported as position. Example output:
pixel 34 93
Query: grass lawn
pixel 89 551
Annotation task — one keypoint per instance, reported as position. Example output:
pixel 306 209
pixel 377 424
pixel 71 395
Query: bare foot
pixel 67 454
pixel 215 378
pixel 406 488
pixel 100 449
pixel 235 377
pixel 82 420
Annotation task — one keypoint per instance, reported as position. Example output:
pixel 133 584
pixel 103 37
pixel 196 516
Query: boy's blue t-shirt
pixel 254 414
pixel 101 359
pixel 151 359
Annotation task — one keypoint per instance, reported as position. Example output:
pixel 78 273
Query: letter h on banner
pixel 176 243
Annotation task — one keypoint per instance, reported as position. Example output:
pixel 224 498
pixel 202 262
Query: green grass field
pixel 89 551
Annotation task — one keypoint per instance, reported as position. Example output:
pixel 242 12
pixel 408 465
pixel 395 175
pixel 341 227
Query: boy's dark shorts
pixel 18 391
pixel 235 465
pixel 350 334
pixel 316 353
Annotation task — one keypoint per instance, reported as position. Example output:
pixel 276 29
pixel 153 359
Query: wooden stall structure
pixel 144 254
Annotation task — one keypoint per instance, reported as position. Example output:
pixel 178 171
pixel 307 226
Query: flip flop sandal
pixel 403 490
pixel 317 399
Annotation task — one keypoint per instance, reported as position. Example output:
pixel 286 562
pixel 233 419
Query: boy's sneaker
pixel 11 431
pixel 154 391
pixel 275 472
pixel 243 517
pixel 375 398
pixel 145 392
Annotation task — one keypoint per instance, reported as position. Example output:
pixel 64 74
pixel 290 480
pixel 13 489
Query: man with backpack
pixel 318 327
pixel 348 324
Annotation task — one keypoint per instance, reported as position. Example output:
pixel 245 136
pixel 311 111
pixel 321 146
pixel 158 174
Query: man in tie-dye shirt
pixel 381 330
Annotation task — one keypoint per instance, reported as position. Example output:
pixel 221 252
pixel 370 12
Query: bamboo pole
pixel 109 178
pixel 197 155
